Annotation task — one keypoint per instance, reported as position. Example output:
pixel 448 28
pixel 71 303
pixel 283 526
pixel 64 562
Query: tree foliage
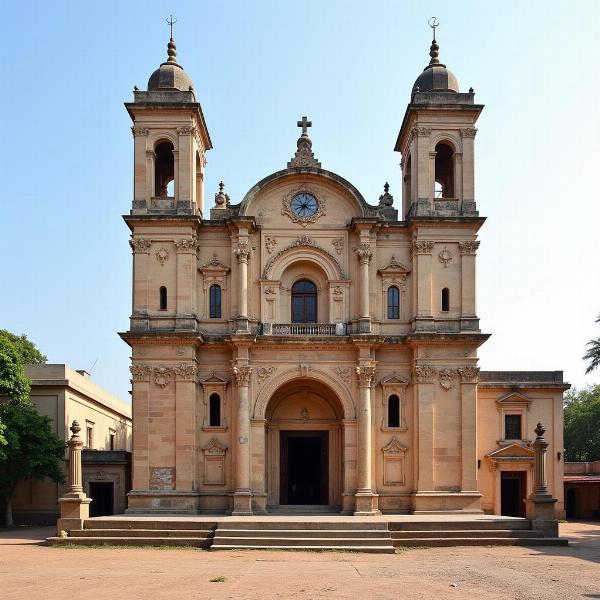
pixel 593 353
pixel 27 350
pixel 582 424
pixel 13 382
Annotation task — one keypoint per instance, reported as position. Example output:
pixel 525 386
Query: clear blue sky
pixel 66 159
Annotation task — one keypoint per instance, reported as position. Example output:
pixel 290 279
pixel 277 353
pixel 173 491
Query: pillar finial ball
pixel 75 428
pixel 540 430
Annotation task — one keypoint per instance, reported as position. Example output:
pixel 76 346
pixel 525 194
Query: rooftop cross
pixel 170 22
pixel 305 124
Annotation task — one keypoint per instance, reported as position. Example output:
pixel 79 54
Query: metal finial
pixel 171 48
pixel 221 186
pixel 170 22
pixel 386 187
pixel 434 49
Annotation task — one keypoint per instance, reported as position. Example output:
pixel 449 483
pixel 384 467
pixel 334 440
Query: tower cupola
pixel 170 76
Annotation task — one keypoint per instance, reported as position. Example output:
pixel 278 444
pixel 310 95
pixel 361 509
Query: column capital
pixel 422 246
pixel 242 250
pixel 141 245
pixel 186 244
pixel 424 373
pixel 468 132
pixel 241 375
pixel 469 374
pixel 468 247
pixel 365 374
pixel 364 253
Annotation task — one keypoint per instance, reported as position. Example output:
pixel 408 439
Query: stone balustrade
pixel 304 329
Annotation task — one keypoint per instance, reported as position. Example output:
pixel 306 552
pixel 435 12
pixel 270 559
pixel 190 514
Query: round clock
pixel 304 205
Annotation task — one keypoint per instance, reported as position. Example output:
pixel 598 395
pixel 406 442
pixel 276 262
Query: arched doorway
pixel 304 444
pixel 304 302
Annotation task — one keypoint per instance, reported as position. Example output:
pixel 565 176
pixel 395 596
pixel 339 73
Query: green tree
pixel 582 424
pixel 32 451
pixel 29 354
pixel 13 382
pixel 593 353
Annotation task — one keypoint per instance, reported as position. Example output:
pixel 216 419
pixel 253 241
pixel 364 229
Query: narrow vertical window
pixel 89 436
pixel 393 411
pixel 214 410
pixel 445 300
pixel 512 427
pixel 111 440
pixel 215 301
pixel 162 298
pixel 393 303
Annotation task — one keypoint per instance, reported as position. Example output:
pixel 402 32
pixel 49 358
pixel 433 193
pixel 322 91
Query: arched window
pixel 304 302
pixel 215 301
pixel 214 410
pixel 393 411
pixel 393 303
pixel 444 171
pixel 445 300
pixel 162 298
pixel 164 169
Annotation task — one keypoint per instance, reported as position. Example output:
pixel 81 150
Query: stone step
pixel 475 533
pixel 148 533
pixel 421 525
pixel 307 524
pixel 482 541
pixel 278 541
pixel 306 533
pixel 130 541
pixel 388 549
pixel 125 523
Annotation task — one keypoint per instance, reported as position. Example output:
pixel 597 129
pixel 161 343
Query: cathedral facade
pixel 306 348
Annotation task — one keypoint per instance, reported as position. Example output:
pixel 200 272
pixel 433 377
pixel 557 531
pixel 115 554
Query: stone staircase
pixel 498 532
pixel 313 535
pixel 134 532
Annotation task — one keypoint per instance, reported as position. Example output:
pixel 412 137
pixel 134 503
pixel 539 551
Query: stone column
pixel 468 316
pixel 365 254
pixel 421 251
pixel 242 496
pixel 540 504
pixel 186 281
pixel 366 500
pixel 185 428
pixel 468 152
pixel 140 247
pixel 74 505
pixel 242 252
pixel 468 416
pixel 423 377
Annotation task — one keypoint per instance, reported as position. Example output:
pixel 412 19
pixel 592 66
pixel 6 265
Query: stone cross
pixel 305 124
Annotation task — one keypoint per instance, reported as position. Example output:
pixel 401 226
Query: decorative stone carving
pixel 422 131
pixel 139 131
pixel 365 375
pixel 304 414
pixel 215 263
pixel 265 372
pixel 469 374
pixel 162 376
pixel 241 375
pixel 468 247
pixel 304 157
pixel 214 462
pixel 270 291
pixel 186 244
pixel 162 256
pixel 364 253
pixel 445 256
pixel 394 454
pixel 468 132
pixel 140 245
pixel 338 291
pixel 386 199
pixel 186 130
pixel 422 247
pixel 304 370
pixel 447 377
pixel 270 243
pixel 221 198
pixel 344 373
pixel 140 372
pixel 286 205
pixel 424 373
pixel 187 371
pixel 242 250
pixel 338 244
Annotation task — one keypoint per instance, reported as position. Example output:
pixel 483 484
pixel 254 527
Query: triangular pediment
pixel 394 380
pixel 394 446
pixel 394 267
pixel 514 399
pixel 214 379
pixel 514 451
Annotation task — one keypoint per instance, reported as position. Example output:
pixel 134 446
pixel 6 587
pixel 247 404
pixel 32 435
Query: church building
pixel 306 348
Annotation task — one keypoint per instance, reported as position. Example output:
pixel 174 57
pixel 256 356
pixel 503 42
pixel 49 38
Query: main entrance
pixel 304 465
pixel 513 485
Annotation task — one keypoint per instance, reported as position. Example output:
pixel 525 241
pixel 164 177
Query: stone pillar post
pixel 140 247
pixel 468 417
pixel 242 253
pixel 423 378
pixel 540 504
pixel 468 316
pixel 242 496
pixel 468 152
pixel 186 281
pixel 366 500
pixel 421 251
pixel 365 254
pixel 74 505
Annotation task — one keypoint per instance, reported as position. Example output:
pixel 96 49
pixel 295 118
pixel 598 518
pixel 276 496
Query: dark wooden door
pixel 304 467
pixel 102 493
pixel 304 302
pixel 513 489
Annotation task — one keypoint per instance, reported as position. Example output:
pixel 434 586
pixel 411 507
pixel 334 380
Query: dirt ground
pixel 30 570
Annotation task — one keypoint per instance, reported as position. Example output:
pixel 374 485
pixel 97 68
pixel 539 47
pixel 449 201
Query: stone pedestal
pixel 74 505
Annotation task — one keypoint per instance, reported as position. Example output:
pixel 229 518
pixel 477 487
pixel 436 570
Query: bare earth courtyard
pixel 31 570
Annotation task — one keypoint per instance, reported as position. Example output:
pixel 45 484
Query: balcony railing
pixel 304 329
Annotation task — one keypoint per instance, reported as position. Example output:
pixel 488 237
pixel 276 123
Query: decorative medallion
pixel 162 376
pixel 270 243
pixel 447 377
pixel 162 255
pixel 302 205
pixel 265 372
pixel 445 256
pixel 344 373
pixel 338 244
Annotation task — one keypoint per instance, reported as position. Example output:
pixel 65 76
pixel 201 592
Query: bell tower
pixel 170 143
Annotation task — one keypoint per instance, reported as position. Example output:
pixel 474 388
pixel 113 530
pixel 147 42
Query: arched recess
pixel 341 392
pixel 311 253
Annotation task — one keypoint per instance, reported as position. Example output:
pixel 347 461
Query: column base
pixel 242 504
pixel 367 504
pixel 74 510
pixel 364 325
pixel 540 509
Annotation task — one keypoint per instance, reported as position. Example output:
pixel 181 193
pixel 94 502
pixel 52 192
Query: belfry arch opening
pixel 444 171
pixel 164 170
pixel 304 445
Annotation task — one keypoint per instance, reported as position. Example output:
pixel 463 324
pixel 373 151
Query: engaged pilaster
pixel 242 253
pixel 364 254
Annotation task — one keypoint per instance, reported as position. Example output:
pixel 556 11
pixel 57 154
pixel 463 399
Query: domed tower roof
pixel 170 76
pixel 435 77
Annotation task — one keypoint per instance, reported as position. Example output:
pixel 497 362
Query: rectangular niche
pixel 394 454
pixel 214 463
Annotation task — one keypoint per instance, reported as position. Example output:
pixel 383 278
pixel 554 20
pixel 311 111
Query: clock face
pixel 304 205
